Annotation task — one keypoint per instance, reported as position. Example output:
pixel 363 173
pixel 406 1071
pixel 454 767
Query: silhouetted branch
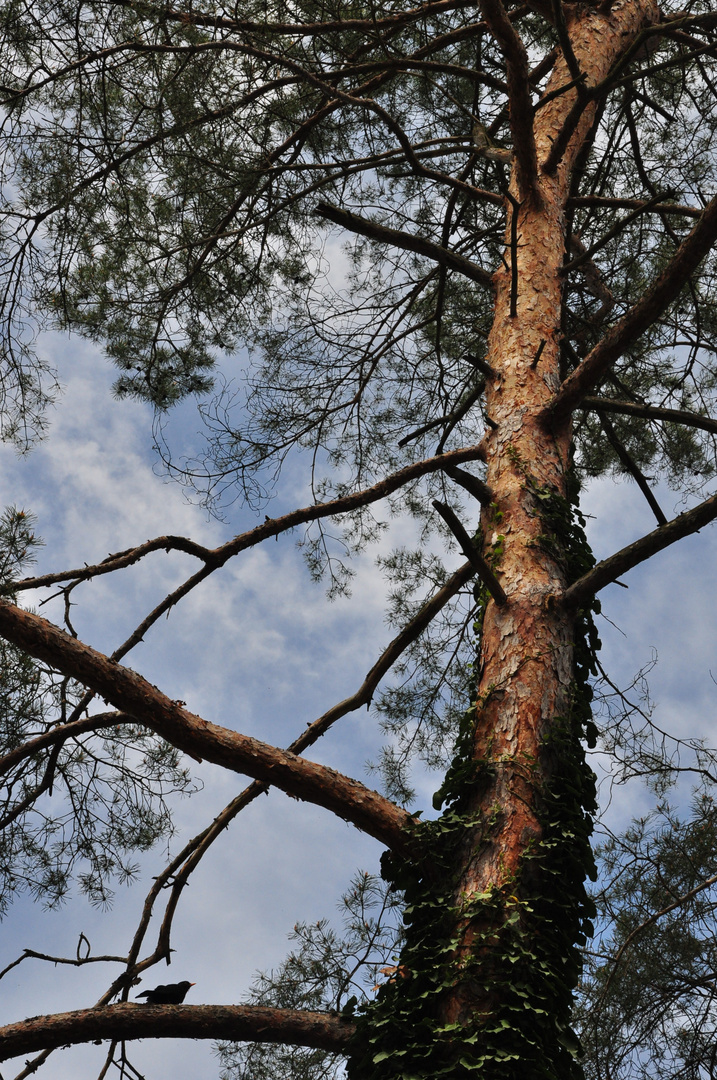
pixel 650 921
pixel 450 419
pixel 580 201
pixel 60 734
pixel 566 45
pixel 632 468
pixel 477 487
pixel 469 549
pixel 640 316
pixel 515 207
pixel 608 236
pixel 217 557
pixel 650 412
pixel 405 241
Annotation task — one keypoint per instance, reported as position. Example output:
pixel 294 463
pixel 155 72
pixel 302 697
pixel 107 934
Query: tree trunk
pixel 526 656
pixel 494 982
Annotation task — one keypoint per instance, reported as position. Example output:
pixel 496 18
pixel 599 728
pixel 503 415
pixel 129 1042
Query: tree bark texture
pixel 199 738
pixel 526 655
pixel 129 1020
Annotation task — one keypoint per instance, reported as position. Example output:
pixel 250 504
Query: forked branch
pixel 214 558
pixel 176 874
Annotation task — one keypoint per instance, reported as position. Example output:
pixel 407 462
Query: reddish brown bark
pixel 526 653
pixel 130 1020
pixel 128 691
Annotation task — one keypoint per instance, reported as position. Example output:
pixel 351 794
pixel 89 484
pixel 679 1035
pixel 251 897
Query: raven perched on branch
pixel 171 994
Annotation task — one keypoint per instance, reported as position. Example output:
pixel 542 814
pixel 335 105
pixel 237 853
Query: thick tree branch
pixel 650 412
pixel 473 484
pixel 640 316
pixel 405 241
pixel 238 1023
pixel 581 201
pixel 310 29
pixel 613 567
pixel 128 691
pixel 176 874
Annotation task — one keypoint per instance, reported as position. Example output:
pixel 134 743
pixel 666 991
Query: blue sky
pixel 259 649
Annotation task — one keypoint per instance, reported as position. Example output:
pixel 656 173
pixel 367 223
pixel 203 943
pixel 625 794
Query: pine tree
pixel 525 195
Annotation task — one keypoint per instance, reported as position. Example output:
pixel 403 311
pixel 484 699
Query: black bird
pixel 171 994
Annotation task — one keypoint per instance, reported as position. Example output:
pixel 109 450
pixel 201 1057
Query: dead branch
pixel 566 45
pixel 469 549
pixel 631 467
pixel 184 863
pixel 214 558
pixel 650 412
pixel 580 201
pixel 405 241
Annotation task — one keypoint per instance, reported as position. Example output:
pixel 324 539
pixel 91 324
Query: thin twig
pixel 632 468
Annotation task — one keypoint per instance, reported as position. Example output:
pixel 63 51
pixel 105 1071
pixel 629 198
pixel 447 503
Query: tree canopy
pixel 447 263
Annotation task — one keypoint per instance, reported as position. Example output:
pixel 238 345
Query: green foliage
pixel 81 809
pixel 328 970
pixel 421 709
pixel 524 955
pixel 159 182
pixel 646 1003
pixel 77 808
pixel 18 542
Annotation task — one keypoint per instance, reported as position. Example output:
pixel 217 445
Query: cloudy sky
pixel 259 649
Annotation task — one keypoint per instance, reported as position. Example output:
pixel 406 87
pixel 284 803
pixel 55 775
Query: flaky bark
pixel 130 1020
pixel 199 738
pixel 526 654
